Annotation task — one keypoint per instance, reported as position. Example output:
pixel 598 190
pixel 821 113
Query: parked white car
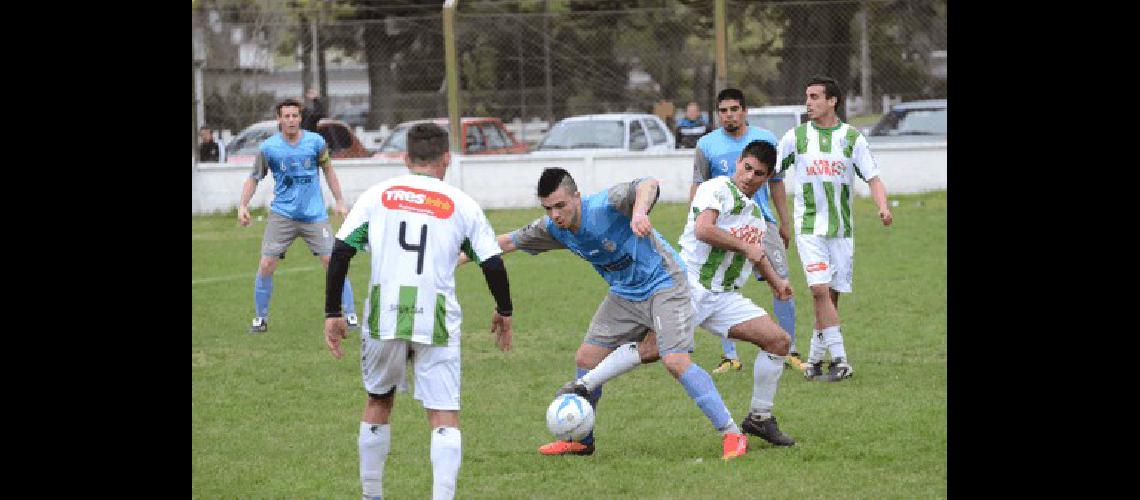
pixel 778 119
pixel 610 131
pixel 912 122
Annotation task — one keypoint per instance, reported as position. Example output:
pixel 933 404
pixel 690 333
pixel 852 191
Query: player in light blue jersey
pixel 716 156
pixel 298 209
pixel 649 292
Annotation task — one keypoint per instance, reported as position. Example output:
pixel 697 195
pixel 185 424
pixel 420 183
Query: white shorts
pixel 384 365
pixel 719 311
pixel 827 261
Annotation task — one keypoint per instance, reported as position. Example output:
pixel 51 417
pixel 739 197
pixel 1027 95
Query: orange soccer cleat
pixel 735 445
pixel 566 448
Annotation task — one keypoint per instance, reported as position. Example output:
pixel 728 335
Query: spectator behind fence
pixel 313 112
pixel 208 150
pixel 691 127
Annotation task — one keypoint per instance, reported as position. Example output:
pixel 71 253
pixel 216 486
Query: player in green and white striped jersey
pixel 414 226
pixel 720 245
pixel 824 156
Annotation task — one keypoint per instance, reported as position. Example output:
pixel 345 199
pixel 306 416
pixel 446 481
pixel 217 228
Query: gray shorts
pixel 774 248
pixel 280 231
pixel 668 312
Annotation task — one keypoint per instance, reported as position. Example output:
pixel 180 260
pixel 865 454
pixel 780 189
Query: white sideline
pixel 216 279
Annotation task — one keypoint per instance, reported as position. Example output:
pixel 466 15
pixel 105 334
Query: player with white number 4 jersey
pixel 414 226
pixel 825 155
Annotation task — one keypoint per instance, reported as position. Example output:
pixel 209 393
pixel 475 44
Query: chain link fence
pixel 537 61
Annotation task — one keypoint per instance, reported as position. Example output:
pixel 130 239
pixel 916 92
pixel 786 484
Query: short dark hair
pixel 426 142
pixel 552 178
pixel 830 89
pixel 763 151
pixel 287 102
pixel 731 93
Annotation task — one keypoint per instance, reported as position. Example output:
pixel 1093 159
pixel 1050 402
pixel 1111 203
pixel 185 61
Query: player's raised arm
pixel 648 190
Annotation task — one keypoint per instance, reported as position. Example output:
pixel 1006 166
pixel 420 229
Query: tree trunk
pixel 381 83
pixel 306 60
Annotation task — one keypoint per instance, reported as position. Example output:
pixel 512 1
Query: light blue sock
pixel 729 348
pixel 346 298
pixel 262 290
pixel 699 385
pixel 595 395
pixel 786 316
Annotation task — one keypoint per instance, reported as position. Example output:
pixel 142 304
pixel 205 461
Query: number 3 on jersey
pixel 420 249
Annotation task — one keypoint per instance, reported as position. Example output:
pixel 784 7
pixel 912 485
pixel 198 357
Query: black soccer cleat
pixel 814 371
pixel 574 387
pixel 838 370
pixel 766 429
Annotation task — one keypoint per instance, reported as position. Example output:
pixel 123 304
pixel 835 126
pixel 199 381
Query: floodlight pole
pixel 452 67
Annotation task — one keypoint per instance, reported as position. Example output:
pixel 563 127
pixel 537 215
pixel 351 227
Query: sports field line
pixel 216 279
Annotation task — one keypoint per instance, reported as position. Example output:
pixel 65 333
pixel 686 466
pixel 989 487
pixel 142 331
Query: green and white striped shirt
pixel 717 269
pixel 824 162
pixel 414 226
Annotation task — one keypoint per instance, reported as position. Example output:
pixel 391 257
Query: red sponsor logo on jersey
pixel 826 167
pixel 411 199
pixel 818 266
pixel 749 234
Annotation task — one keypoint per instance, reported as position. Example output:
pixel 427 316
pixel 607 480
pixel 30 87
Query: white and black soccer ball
pixel 570 417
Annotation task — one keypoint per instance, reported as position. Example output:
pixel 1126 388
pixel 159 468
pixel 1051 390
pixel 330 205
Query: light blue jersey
pixel 297 184
pixel 634 267
pixel 716 156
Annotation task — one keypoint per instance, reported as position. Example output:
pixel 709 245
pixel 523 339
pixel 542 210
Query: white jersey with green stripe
pixel 414 227
pixel 718 269
pixel 825 162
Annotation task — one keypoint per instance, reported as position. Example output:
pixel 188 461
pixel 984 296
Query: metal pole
pixel 451 63
pixel 522 87
pixel 546 50
pixel 864 61
pixel 721 42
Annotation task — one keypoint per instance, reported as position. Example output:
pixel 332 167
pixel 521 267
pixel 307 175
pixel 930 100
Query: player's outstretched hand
pixel 341 209
pixel 782 289
pixel 335 330
pixel 243 216
pixel 640 225
pixel 501 328
pixel 885 216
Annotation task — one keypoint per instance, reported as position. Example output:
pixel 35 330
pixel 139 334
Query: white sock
pixel 446 454
pixel 834 341
pixel 623 359
pixel 818 348
pixel 766 373
pixel 374 442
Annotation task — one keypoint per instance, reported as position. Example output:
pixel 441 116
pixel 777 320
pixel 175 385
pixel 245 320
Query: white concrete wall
pixel 508 181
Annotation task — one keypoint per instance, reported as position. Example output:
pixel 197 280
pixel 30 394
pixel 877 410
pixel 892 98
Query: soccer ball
pixel 570 417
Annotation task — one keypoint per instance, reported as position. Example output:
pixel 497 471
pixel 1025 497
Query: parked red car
pixel 481 136
pixel 342 143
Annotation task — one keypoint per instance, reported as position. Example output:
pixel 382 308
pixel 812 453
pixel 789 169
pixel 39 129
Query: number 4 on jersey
pixel 419 249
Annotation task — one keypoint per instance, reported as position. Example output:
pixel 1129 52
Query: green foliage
pixel 275 416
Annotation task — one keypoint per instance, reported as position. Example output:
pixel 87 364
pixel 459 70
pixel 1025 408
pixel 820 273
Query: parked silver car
pixel 610 131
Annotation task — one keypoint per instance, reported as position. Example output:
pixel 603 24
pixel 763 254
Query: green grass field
pixel 276 416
